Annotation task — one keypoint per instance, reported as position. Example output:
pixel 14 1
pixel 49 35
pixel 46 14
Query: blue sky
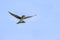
pixel 44 26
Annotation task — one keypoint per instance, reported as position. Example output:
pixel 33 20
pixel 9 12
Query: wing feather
pixel 15 15
pixel 29 17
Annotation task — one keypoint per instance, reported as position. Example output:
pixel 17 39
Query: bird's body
pixel 21 19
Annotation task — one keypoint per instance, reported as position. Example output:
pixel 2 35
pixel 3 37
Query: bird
pixel 21 18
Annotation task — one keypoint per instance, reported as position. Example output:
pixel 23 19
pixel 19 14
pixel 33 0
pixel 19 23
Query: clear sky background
pixel 44 26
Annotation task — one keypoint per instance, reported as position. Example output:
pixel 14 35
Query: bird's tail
pixel 20 22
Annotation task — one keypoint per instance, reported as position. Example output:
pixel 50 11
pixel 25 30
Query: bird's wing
pixel 29 17
pixel 15 15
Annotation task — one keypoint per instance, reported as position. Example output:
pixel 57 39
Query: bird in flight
pixel 21 19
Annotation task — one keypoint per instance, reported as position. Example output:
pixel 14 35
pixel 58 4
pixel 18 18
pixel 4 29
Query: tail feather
pixel 20 22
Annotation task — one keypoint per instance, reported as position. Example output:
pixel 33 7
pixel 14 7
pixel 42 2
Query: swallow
pixel 21 19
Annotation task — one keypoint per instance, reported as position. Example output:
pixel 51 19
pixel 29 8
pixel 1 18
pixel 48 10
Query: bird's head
pixel 23 15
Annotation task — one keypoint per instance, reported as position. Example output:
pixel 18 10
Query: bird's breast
pixel 21 19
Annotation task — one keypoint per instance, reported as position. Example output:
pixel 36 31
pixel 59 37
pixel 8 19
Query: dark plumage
pixel 21 18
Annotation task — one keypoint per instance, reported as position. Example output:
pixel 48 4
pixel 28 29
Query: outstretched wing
pixel 15 15
pixel 29 17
